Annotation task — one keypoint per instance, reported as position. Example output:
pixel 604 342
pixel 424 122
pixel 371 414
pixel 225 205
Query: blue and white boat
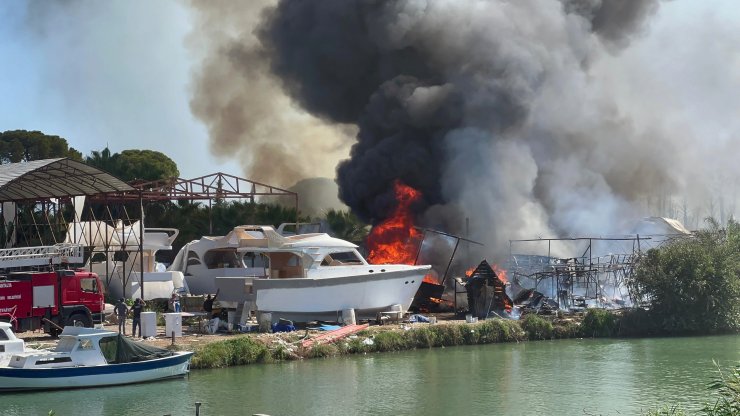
pixel 88 357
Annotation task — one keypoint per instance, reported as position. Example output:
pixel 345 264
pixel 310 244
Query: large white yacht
pixel 116 260
pixel 300 277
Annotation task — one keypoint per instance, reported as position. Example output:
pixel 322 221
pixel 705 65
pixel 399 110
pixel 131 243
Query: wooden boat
pixel 88 357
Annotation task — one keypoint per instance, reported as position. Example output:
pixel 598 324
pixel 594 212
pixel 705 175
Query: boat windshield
pixel 341 259
pixel 66 344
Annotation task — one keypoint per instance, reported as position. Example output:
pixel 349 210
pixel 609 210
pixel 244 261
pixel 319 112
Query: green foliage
pixel 129 165
pixel 566 330
pixel 446 335
pixel 346 225
pixel 599 323
pixel 23 146
pixel 727 388
pixel 537 327
pixel 323 351
pixel 636 322
pixel 237 351
pixel 499 330
pixel 666 411
pixel 389 341
pixel 693 284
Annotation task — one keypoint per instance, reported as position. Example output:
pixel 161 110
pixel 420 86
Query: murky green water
pixel 573 377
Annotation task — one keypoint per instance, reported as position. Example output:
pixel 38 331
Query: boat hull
pixel 20 379
pixel 304 299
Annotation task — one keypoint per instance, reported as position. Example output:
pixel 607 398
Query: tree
pixel 24 146
pixel 346 225
pixel 693 285
pixel 130 165
pixel 102 160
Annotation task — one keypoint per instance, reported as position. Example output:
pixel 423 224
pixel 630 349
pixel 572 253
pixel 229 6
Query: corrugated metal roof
pixel 55 178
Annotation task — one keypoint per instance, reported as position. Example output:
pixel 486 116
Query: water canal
pixel 571 377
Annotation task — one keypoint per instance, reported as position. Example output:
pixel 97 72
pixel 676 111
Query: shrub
pixel 599 323
pixel 693 284
pixel 636 322
pixel 566 330
pixel 389 341
pixel 236 351
pixel 537 327
pixel 422 337
pixel 446 335
pixel 499 330
pixel 323 351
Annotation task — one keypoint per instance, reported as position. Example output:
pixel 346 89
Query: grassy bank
pixel 249 349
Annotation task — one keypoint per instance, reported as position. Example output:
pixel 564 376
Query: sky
pixel 104 73
pixel 120 73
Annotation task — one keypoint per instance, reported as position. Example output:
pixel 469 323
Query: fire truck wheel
pixel 78 319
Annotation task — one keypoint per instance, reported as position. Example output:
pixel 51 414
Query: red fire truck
pixel 51 299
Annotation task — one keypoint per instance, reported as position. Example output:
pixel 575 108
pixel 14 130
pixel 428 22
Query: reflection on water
pixel 606 377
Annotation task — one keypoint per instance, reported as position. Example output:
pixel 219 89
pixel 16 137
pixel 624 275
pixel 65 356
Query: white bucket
pixel 471 319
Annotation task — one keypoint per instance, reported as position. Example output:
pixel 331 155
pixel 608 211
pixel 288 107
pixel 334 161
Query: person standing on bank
pixel 208 303
pixel 121 310
pixel 136 312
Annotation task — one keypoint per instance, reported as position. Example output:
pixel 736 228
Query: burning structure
pixel 486 291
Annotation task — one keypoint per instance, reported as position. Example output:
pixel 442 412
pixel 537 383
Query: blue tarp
pixel 418 318
pixel 325 327
pixel 283 327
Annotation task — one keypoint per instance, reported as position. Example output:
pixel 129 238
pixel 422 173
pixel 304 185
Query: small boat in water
pixel 9 343
pixel 88 357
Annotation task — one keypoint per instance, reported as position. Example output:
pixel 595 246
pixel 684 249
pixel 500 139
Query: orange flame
pixel 395 240
pixel 501 273
pixel 470 271
pixel 431 277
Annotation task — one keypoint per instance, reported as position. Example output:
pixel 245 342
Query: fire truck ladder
pixel 14 258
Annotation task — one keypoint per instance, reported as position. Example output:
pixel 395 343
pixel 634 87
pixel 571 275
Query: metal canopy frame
pixel 44 187
pixel 214 186
pixel 55 178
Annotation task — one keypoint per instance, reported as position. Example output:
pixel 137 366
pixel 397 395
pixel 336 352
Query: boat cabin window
pixel 98 257
pixel 341 259
pixel 3 336
pixel 109 348
pixel 85 344
pixel 193 259
pixel 55 360
pixel 285 265
pixel 255 260
pixel 65 344
pixel 89 285
pixel 120 255
pixel 222 259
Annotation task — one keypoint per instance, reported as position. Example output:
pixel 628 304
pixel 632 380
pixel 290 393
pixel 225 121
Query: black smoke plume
pixel 459 100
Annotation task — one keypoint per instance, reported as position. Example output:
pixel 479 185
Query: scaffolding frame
pixel 578 279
